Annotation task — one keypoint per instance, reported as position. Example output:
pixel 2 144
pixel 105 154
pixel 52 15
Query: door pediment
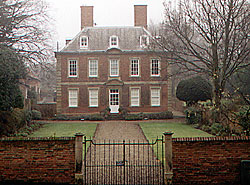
pixel 114 82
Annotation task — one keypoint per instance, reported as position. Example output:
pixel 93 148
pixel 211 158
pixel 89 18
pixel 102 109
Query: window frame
pixel 87 42
pixel 142 44
pixel 151 67
pixel 91 97
pixel 152 97
pixel 69 68
pixel 69 97
pixel 110 42
pixel 110 68
pixel 95 75
pixel 138 98
pixel 131 67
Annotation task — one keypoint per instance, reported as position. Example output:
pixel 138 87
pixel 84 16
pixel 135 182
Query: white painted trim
pixel 84 47
pixel 158 105
pixel 72 76
pixel 131 67
pixel 73 89
pixel 96 67
pixel 90 89
pixel 117 42
pixel 159 67
pixel 142 45
pixel 118 70
pixel 139 96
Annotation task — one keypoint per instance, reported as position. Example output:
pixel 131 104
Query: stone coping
pixel 37 139
pixel 218 138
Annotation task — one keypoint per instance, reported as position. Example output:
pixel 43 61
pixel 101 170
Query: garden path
pixel 106 161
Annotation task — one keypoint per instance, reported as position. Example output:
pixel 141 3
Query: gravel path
pixel 122 163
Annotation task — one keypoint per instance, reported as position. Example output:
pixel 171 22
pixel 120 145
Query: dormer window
pixel 144 41
pixel 113 42
pixel 84 42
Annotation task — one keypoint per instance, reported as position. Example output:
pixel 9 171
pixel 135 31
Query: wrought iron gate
pixel 130 162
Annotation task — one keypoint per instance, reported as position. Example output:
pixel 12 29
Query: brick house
pixel 111 67
pixel 30 84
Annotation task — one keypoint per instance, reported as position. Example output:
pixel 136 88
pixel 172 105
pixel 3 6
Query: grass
pixel 154 129
pixel 65 129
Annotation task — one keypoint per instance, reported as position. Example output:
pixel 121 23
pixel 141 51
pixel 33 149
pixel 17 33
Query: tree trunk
pixel 216 84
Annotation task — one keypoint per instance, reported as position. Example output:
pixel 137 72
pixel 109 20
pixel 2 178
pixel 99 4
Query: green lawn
pixel 65 129
pixel 154 129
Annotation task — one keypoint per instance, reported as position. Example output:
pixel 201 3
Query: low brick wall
pixel 43 160
pixel 214 160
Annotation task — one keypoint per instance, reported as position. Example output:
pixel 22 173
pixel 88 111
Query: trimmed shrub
pixel 193 90
pixel 92 117
pixel 159 115
pixel 64 117
pixel 106 112
pixel 95 117
pixel 61 117
pixel 36 115
pixel 133 117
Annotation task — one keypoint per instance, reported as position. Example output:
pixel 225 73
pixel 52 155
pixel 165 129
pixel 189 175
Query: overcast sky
pixel 106 13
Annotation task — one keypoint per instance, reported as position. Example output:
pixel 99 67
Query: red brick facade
pixel 209 160
pixel 95 43
pixel 104 82
pixel 140 13
pixel 87 16
pixel 40 160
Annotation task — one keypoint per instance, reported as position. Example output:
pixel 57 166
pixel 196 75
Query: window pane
pixel 73 98
pixel 93 97
pixel 144 41
pixel 72 68
pixel 114 97
pixel 155 97
pixel 155 67
pixel 114 68
pixel 93 68
pixel 84 42
pixel 135 97
pixel 113 41
pixel 134 67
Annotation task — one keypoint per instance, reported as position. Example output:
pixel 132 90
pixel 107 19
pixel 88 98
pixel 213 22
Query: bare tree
pixel 208 36
pixel 25 26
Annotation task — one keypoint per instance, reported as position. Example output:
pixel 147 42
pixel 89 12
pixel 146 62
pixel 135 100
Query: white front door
pixel 114 100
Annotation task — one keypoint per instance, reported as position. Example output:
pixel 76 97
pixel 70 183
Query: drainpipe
pixel 168 175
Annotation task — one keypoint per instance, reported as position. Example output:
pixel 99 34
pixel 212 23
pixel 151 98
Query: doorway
pixel 114 100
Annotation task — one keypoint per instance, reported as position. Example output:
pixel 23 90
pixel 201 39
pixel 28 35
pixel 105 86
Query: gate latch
pixel 121 163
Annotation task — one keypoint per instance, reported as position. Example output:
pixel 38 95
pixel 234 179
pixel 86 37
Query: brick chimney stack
pixel 140 15
pixel 87 19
